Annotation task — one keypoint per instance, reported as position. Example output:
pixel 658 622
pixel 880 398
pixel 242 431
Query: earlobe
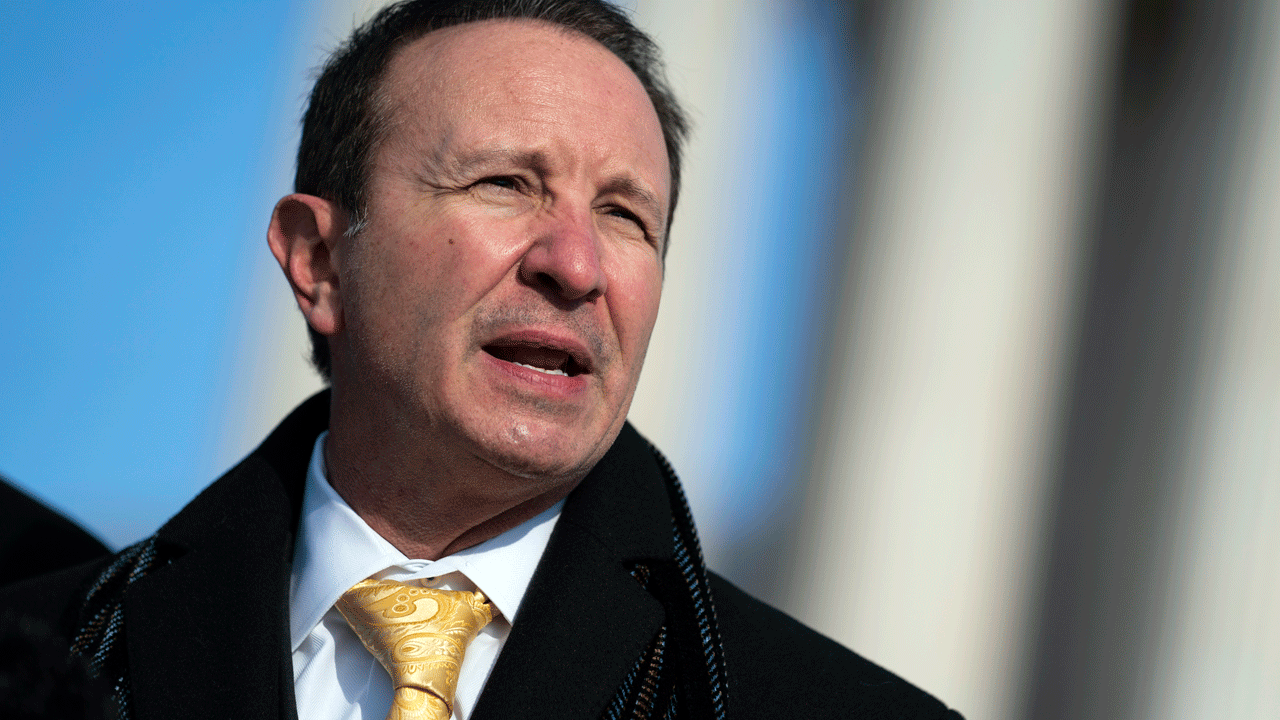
pixel 304 234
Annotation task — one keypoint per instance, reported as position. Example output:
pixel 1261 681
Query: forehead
pixel 521 81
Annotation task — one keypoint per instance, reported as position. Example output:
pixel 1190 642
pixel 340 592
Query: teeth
pixel 557 371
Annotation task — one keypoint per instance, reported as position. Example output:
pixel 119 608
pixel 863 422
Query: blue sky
pixel 133 161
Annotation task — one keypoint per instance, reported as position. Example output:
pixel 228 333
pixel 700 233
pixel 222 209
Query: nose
pixel 565 260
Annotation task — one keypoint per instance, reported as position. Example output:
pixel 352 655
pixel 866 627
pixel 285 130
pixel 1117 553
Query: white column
pixel 1218 653
pixel 924 520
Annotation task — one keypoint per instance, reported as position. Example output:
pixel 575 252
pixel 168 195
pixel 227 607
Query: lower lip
pixel 556 385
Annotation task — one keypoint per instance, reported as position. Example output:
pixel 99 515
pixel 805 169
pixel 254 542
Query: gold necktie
pixel 419 635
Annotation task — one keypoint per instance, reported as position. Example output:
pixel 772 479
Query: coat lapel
pixel 585 620
pixel 208 631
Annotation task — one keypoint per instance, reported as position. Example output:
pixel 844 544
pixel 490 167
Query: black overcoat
pixel 620 618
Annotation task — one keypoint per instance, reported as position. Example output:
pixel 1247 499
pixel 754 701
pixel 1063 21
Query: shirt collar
pixel 336 549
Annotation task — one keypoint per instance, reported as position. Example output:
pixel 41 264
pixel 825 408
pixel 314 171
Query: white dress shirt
pixel 334 676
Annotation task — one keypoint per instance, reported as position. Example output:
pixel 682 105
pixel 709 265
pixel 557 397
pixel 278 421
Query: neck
pixel 422 495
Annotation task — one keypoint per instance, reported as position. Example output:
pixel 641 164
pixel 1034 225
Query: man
pixel 476 242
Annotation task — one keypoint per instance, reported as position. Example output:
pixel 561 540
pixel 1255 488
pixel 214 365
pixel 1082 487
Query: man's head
pixel 493 291
pixel 346 118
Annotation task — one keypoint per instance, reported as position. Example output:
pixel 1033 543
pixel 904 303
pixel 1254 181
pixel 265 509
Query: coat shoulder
pixel 777 667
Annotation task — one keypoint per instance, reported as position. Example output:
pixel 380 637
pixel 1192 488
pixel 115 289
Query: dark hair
pixel 343 122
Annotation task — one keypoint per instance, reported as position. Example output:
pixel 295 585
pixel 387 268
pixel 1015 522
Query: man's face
pixel 506 284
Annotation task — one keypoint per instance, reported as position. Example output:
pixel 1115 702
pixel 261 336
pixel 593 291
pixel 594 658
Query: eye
pixel 506 193
pixel 633 223
pixel 625 214
pixel 505 182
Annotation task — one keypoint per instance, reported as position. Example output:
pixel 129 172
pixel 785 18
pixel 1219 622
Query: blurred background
pixel 969 353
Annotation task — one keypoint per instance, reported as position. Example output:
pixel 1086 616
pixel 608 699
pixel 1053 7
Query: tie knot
pixel 419 635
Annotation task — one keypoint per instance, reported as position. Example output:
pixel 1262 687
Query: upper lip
pixel 580 357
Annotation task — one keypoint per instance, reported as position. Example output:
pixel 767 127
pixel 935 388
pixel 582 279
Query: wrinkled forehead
pixel 501 45
pixel 457 78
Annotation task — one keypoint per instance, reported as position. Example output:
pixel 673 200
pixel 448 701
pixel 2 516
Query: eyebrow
pixel 535 160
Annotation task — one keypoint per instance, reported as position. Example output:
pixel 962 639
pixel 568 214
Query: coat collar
pixel 208 630
pixel 585 619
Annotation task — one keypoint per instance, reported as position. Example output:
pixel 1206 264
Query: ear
pixel 304 235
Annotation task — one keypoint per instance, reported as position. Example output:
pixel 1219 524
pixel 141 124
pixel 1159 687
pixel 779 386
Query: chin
pixel 550 454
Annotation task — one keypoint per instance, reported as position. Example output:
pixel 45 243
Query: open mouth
pixel 537 356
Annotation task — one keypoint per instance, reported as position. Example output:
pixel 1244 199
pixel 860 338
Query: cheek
pixel 635 297
pixel 475 251
pixel 394 301
pixel 437 270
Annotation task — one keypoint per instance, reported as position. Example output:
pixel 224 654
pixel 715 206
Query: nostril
pixel 548 281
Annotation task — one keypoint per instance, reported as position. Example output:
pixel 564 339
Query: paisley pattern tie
pixel 419 635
